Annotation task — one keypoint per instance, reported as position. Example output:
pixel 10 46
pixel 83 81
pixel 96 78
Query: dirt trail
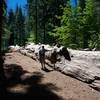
pixel 58 84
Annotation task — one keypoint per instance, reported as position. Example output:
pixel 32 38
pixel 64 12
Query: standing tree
pixel 20 26
pixel 2 18
pixel 87 22
pixel 12 27
pixel 42 16
pixel 95 29
pixel 82 4
pixel 75 29
pixel 31 26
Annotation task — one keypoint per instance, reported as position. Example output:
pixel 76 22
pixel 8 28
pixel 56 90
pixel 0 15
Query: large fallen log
pixel 79 73
pixel 76 69
pixel 84 65
pixel 24 52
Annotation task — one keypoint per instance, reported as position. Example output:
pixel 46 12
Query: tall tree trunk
pixel 2 76
pixel 36 40
pixel 44 13
pixel 82 4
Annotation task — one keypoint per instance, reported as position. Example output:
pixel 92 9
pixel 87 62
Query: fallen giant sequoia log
pixel 84 65
pixel 76 69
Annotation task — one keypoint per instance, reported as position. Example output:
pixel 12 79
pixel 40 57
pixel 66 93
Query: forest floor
pixel 46 85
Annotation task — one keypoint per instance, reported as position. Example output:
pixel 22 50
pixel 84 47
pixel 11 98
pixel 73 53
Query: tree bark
pixel 2 76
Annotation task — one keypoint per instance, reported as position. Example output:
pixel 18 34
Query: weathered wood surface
pixel 77 69
pixel 95 85
pixel 85 66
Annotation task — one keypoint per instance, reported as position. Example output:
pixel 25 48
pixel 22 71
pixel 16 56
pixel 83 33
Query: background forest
pixel 54 21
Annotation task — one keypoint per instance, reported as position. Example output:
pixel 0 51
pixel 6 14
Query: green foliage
pixel 4 30
pixel 20 26
pixel 41 13
pixel 76 27
pixel 95 30
pixel 31 37
pixel 49 21
pixel 31 14
pixel 67 33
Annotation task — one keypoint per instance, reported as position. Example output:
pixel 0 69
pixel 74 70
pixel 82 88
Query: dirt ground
pixel 50 84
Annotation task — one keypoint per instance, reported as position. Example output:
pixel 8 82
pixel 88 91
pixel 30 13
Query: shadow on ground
pixel 22 85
